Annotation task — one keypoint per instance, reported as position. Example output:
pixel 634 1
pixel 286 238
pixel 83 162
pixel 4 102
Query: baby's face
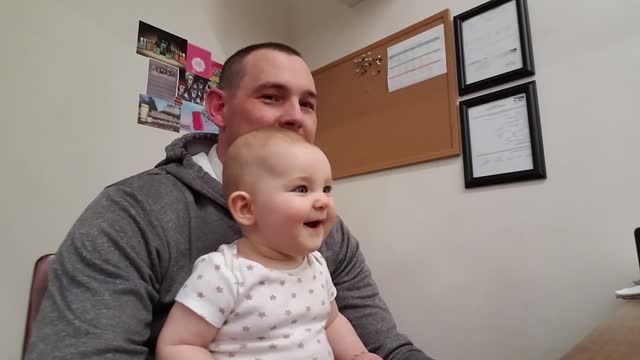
pixel 293 207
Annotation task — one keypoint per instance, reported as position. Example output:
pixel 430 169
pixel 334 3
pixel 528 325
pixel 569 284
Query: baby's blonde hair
pixel 249 154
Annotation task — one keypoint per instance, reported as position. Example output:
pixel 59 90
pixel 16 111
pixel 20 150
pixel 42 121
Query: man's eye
pixel 309 105
pixel 326 189
pixel 300 189
pixel 270 97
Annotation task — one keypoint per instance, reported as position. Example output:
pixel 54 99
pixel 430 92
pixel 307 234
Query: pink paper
pixel 198 61
pixel 197 121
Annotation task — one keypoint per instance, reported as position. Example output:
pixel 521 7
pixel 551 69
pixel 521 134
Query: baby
pixel 268 295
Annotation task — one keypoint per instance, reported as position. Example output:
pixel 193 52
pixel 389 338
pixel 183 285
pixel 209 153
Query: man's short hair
pixel 232 70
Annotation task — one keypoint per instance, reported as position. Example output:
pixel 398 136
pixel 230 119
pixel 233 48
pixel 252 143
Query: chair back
pixel 39 285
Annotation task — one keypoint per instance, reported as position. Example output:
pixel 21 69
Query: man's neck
pixel 220 151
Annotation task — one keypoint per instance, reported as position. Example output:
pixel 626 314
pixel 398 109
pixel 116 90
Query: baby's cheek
pixel 294 211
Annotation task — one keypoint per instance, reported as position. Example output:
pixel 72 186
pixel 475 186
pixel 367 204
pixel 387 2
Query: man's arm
pixel 102 285
pixel 359 300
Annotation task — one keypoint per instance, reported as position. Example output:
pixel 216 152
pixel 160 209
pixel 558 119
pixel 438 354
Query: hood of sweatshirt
pixel 179 163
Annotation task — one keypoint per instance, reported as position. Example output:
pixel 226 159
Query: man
pixel 117 272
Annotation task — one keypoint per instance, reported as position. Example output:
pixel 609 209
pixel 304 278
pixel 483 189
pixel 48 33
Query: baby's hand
pixel 366 356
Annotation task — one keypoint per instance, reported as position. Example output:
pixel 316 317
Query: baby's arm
pixel 185 335
pixel 344 341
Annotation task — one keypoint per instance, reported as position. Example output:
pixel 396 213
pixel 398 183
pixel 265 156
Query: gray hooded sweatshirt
pixel 116 274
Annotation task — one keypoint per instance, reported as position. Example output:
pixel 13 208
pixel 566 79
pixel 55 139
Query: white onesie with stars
pixel 261 313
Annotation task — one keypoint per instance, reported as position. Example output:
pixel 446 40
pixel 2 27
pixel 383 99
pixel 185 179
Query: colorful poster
pixel 192 88
pixel 161 45
pixel 162 80
pixel 193 118
pixel 216 71
pixel 198 61
pixel 158 113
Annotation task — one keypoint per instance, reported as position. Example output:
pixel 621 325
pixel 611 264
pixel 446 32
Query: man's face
pixel 276 89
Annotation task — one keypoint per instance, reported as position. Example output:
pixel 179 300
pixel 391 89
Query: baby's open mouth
pixel 313 224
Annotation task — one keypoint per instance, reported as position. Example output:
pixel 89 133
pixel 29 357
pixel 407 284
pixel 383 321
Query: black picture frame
pixel 528 67
pixel 535 132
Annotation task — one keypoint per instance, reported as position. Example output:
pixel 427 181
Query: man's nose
pixel 291 118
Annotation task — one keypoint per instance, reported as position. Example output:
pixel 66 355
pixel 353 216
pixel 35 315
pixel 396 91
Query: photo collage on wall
pixel 179 76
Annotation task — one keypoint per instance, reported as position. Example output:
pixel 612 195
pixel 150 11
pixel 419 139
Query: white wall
pixel 519 271
pixel 70 84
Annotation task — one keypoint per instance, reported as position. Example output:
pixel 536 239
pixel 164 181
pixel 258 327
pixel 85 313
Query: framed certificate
pixel 493 45
pixel 501 137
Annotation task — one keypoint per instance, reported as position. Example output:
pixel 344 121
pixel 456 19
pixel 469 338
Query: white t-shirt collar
pixel 210 163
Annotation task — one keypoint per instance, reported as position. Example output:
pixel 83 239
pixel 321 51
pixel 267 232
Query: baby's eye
pixel 326 189
pixel 300 189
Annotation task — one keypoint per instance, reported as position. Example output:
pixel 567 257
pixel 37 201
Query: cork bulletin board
pixel 363 127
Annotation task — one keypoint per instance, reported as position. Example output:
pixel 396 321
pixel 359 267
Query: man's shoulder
pixel 154 175
pixel 338 238
pixel 151 185
pixel 340 247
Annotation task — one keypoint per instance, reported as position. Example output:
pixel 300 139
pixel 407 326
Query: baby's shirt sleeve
pixel 211 290
pixel 328 286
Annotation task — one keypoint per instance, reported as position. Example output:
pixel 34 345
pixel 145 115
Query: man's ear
pixel 215 106
pixel 241 209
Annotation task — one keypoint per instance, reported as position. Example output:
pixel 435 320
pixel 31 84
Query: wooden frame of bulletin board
pixel 362 127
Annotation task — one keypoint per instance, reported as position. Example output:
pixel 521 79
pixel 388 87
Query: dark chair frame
pixel 39 285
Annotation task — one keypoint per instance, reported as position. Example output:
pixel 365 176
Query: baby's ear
pixel 240 206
